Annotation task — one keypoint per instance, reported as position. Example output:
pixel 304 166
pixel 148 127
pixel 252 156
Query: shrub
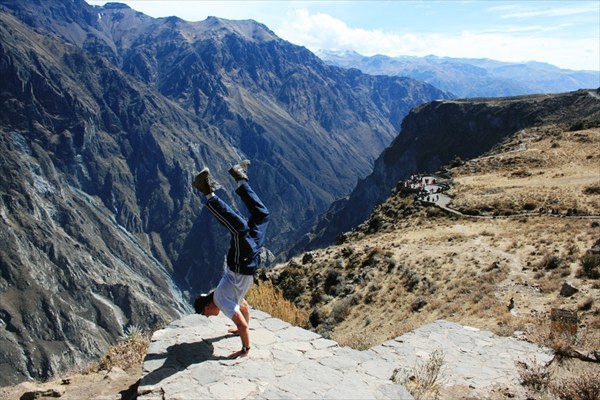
pixel 391 264
pixel 341 309
pixel 315 318
pixel 331 280
pixel 591 265
pixel 347 252
pixel 535 376
pixel 583 387
pixel 419 303
pixel 374 257
pixel 558 336
pixel 586 304
pixel 592 190
pixel 290 283
pixel 550 262
pixel 412 280
pixel 129 353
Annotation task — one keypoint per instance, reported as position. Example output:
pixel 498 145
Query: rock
pixel 568 290
pixel 36 394
pixel 115 373
pixel 308 257
pixel 511 304
pixel 419 303
pixel 521 335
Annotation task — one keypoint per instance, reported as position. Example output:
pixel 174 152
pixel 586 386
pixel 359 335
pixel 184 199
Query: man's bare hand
pixel 238 354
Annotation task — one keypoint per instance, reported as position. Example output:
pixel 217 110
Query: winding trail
pixel 434 194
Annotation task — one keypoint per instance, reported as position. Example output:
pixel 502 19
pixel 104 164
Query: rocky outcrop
pixel 188 360
pixel 435 134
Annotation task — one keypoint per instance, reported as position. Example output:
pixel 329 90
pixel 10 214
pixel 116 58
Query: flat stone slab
pixel 471 357
pixel 189 360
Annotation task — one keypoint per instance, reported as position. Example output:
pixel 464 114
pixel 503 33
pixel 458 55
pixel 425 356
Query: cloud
pixel 515 44
pixel 321 31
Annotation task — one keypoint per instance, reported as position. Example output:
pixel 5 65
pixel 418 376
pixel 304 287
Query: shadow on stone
pixel 131 392
pixel 178 357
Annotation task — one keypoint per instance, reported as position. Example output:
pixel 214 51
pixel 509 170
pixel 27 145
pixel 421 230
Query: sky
pixel 563 33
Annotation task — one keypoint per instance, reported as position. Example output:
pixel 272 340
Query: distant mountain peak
pixel 469 77
pixel 338 53
pixel 249 29
pixel 116 6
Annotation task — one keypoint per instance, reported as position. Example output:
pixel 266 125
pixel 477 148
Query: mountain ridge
pixel 471 77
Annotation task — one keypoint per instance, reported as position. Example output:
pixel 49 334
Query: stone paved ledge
pixel 188 360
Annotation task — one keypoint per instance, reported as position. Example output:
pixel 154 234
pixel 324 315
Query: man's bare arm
pixel 242 329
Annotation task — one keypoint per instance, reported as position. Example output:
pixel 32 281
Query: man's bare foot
pixel 233 331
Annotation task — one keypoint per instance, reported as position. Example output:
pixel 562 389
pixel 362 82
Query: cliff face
pixel 106 117
pixel 436 133
pixel 78 182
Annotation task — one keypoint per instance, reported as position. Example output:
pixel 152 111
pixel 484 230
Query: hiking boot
pixel 204 183
pixel 238 171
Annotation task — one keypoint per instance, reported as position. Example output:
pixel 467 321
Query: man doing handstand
pixel 243 257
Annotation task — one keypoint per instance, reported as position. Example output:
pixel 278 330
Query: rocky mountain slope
pixel 107 114
pixel 439 132
pixel 77 262
pixel 470 77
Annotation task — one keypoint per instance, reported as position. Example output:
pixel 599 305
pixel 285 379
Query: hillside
pixel 500 267
pixel 437 133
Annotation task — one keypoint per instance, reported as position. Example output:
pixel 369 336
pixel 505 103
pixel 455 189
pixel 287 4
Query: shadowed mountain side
pixel 188 360
pixel 436 133
pixel 78 220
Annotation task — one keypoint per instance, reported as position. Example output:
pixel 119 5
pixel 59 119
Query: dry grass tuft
pixel 128 354
pixel 534 375
pixel 356 340
pixel 423 382
pixel 578 385
pixel 585 386
pixel 265 297
pixel 559 337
